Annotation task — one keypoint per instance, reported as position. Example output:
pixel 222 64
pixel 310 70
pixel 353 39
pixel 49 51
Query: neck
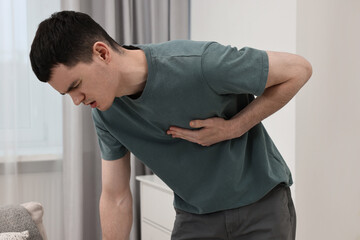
pixel 132 73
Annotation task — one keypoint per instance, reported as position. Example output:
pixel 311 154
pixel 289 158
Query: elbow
pixel 122 199
pixel 304 71
pixel 307 68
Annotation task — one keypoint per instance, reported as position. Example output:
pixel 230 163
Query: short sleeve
pixel 111 148
pixel 231 71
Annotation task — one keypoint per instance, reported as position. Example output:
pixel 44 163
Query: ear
pixel 102 50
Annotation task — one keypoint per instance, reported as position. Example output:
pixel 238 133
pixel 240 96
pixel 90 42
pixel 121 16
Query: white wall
pixel 327 121
pixel 262 24
pixel 326 32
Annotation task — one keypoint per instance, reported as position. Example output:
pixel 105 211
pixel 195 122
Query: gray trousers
pixel 272 217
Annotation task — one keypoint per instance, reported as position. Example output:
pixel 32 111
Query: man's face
pixel 88 83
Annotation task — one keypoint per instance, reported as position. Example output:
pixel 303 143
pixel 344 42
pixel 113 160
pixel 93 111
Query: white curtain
pixel 30 130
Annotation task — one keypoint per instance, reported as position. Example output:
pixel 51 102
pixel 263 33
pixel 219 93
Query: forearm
pixel 116 217
pixel 273 99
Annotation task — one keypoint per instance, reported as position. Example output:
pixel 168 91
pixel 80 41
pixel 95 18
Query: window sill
pixel 33 158
pixel 41 163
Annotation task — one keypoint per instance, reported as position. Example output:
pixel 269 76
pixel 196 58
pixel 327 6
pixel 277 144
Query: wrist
pixel 236 127
pixel 231 129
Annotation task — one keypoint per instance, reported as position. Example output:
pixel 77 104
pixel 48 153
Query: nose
pixel 77 98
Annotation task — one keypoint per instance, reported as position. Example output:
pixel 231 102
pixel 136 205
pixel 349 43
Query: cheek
pixel 102 91
pixel 106 87
pixel 106 96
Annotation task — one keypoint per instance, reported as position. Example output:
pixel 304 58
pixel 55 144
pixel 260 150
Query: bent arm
pixel 287 74
pixel 116 199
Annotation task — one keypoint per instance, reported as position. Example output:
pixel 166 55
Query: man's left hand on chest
pixel 205 132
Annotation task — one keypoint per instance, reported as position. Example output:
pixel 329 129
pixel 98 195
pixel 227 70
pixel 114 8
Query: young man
pixel 187 110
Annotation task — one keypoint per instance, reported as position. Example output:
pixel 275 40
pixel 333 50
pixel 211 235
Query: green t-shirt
pixel 190 80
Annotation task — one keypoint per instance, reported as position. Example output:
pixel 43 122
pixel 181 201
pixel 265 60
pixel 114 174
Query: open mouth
pixel 93 104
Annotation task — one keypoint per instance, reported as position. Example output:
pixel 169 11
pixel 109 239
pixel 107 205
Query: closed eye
pixel 76 86
pixel 73 86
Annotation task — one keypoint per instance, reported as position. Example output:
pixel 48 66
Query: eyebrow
pixel 72 85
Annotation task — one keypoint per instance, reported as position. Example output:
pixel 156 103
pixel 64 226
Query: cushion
pixel 14 235
pixel 36 212
pixel 16 218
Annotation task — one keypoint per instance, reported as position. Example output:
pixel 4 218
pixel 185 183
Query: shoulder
pixel 178 48
pixel 99 117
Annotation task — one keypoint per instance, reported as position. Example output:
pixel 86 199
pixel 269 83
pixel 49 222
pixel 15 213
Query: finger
pixel 182 132
pixel 197 123
pixel 185 137
pixel 186 134
pixel 179 129
pixel 191 138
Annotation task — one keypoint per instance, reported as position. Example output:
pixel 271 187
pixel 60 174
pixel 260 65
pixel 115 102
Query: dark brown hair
pixel 66 37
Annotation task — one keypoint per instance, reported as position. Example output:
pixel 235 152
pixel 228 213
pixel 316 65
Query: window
pixel 30 111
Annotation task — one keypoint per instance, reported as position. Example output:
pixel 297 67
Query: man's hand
pixel 206 132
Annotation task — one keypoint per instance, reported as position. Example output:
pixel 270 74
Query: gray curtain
pixel 128 22
pixel 152 21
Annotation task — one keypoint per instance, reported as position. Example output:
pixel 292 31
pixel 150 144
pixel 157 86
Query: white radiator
pixel 43 187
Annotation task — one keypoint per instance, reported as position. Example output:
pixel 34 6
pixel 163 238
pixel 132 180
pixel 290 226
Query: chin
pixel 103 108
pixel 105 104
